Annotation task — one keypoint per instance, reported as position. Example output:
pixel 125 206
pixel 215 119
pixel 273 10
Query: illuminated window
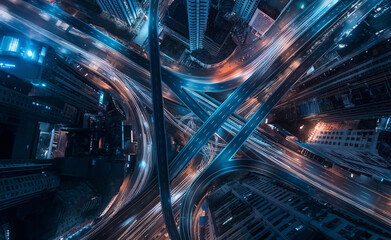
pixel 101 97
pixel 10 44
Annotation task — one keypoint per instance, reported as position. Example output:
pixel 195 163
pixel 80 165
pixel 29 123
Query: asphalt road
pixel 158 122
pixel 224 157
pixel 124 216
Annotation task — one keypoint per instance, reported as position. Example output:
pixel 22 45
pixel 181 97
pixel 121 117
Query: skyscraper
pixel 245 8
pixel 364 150
pixel 197 12
pixel 23 187
pixel 126 10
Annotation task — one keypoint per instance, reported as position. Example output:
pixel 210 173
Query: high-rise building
pixel 358 149
pixel 126 10
pixel 259 207
pixel 245 8
pixel 197 12
pixel 15 190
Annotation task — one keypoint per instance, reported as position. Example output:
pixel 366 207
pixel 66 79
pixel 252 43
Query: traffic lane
pixel 194 192
pixel 230 105
pixel 345 184
pixel 211 173
pixel 158 122
pixel 214 169
pixel 290 14
pixel 258 136
pixel 87 27
pixel 118 47
pixel 131 214
pixel 133 184
pixel 85 46
pixel 370 202
pixel 303 167
pixel 285 159
pixel 272 99
pixel 143 201
pixel 143 225
pixel 115 45
pixel 79 24
pixel 245 132
pixel 214 121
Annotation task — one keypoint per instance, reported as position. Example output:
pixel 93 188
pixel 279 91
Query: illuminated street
pixel 223 119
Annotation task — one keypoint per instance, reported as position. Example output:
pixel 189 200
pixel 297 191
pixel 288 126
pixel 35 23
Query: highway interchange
pixel 280 63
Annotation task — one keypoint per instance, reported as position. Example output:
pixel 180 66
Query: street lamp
pixel 29 53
